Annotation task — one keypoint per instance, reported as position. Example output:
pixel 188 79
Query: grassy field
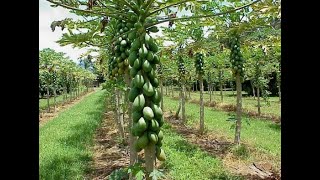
pixel 43 104
pixel 186 161
pixel 247 102
pixel 65 140
pixel 265 136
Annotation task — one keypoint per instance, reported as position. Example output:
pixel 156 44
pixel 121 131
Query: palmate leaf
pixel 155 174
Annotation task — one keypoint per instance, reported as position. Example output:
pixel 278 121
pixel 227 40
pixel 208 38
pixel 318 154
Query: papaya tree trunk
pixel 258 97
pixel 54 99
pixel 183 102
pixel 201 106
pixel 279 86
pixel 221 94
pixel 253 90
pixel 232 89
pixel 48 99
pixel 172 90
pixel 132 139
pixel 178 110
pixel 65 93
pixel 78 90
pixel 239 110
pixel 161 91
pixel 196 86
pixel 149 153
pixel 119 116
pixel 166 90
pixel 210 92
pixel 279 92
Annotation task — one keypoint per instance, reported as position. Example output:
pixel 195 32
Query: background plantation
pixel 167 90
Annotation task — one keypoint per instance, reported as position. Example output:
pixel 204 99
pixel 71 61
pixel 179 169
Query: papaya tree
pixel 144 15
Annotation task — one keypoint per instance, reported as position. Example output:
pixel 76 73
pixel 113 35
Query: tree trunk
pixel 239 109
pixel 132 139
pixel 221 94
pixel 183 102
pixel 232 89
pixel 253 91
pixel 279 92
pixel 196 86
pixel 210 92
pixel 258 96
pixel 166 90
pixel 119 116
pixel 279 87
pixel 48 99
pixel 201 106
pixel 149 153
pixel 189 92
pixel 78 90
pixel 54 99
pixel 172 90
pixel 178 110
pixel 161 91
pixel 65 93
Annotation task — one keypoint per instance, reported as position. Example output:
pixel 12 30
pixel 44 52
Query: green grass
pixel 65 140
pixel 186 161
pixel 43 104
pixel 247 102
pixel 263 135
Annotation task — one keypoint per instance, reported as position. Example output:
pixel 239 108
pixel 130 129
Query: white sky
pixel 47 38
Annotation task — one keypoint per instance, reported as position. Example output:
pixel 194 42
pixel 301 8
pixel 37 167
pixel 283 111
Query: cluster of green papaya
pixel 236 57
pixel 181 68
pixel 119 61
pixel 144 93
pixel 199 63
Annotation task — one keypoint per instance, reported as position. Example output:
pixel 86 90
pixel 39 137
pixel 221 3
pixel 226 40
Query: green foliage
pixel 118 174
pixel 241 151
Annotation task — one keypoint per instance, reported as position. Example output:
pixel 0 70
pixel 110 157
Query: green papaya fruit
pixel 138 80
pixel 133 93
pixel 138 103
pixel 147 113
pixel 146 66
pixel 148 89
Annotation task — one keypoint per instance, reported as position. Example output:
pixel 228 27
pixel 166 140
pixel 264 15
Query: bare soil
pixel 109 154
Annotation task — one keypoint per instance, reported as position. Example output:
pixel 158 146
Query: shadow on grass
pixel 65 166
pixel 224 176
pixel 276 127
pixel 184 147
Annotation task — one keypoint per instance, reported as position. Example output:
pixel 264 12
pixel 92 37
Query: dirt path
pixel 220 147
pixel 109 154
pixel 44 117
